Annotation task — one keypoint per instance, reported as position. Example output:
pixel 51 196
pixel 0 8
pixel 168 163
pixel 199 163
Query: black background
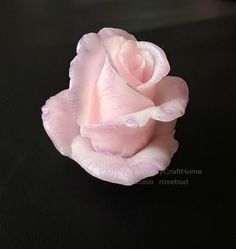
pixel 47 201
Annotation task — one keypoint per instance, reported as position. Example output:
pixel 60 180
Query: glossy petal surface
pixel 58 122
pixel 154 157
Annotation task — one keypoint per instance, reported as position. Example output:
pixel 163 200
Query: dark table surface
pixel 48 201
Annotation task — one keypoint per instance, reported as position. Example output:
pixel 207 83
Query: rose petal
pixel 113 97
pixel 106 33
pixel 171 100
pixel 116 50
pixel 127 171
pixel 172 89
pixel 113 40
pixel 119 139
pixel 126 57
pixel 124 53
pixel 84 72
pixel 149 64
pixel 113 45
pixel 161 64
pixel 58 122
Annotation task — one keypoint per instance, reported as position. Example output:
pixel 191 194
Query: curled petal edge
pixel 58 122
pixel 171 101
pixel 155 157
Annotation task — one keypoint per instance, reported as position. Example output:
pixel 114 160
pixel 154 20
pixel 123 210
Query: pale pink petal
pixel 58 122
pixel 119 139
pixel 138 72
pixel 120 57
pixel 113 40
pixel 113 97
pixel 149 65
pixel 151 59
pixel 149 92
pixel 84 72
pixel 161 65
pixel 106 33
pixel 113 45
pixel 127 61
pixel 172 90
pixel 148 162
pixel 171 100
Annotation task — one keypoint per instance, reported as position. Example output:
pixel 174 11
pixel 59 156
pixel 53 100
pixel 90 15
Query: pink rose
pixel 118 116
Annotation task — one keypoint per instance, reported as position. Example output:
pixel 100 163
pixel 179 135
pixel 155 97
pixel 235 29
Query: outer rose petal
pixel 119 139
pixel 127 171
pixel 172 90
pixel 58 122
pixel 84 72
pixel 171 100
